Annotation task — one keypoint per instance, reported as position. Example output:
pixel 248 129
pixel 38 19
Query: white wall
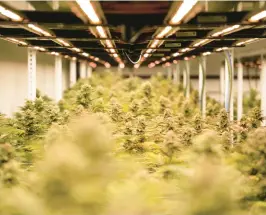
pixel 13 76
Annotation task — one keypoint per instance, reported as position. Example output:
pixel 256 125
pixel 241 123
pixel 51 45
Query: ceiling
pixel 132 27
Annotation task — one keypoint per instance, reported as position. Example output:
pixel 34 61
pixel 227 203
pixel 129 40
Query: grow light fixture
pixel 62 42
pixel 163 59
pixel 136 66
pixel 76 49
pixel 121 66
pixel 85 54
pixel 164 32
pixel 115 55
pixel 221 49
pixel 157 62
pixel 186 49
pixel 155 43
pixel 101 32
pixel 201 42
pixel 206 53
pixel 16 41
pixel 39 48
pixel 246 41
pixel 74 58
pixel 186 58
pixel 146 55
pixel 39 30
pixel 183 10
pixel 88 9
pixel 9 14
pixel 107 65
pixel 66 56
pixel 55 53
pixel 226 30
pixel 176 54
pixel 96 59
pixel 257 17
pixel 149 51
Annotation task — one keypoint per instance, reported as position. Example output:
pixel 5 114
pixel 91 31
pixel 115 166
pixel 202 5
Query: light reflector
pixel 88 9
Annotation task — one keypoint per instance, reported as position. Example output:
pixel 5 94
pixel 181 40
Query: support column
pixel 73 72
pixel 184 78
pixel 58 78
pixel 176 78
pixel 263 91
pixel 187 92
pixel 169 73
pixel 83 69
pixel 202 87
pixel 89 71
pixel 229 81
pixel 31 74
pixel 222 84
pixel 239 90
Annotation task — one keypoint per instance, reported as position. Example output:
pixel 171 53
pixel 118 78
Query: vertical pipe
pixel 174 75
pixel 184 79
pixel 202 87
pixel 83 69
pixel 89 71
pixel 73 72
pixel 239 90
pixel 263 91
pixel 31 74
pixel 222 84
pixel 169 73
pixel 58 78
pixel 229 80
pixel 187 79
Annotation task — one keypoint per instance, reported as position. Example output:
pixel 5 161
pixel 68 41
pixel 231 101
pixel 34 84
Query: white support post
pixel 89 71
pixel 229 83
pixel 187 79
pixel 175 76
pixel 239 90
pixel 58 78
pixel 222 84
pixel 202 87
pixel 184 78
pixel 73 72
pixel 169 73
pixel 83 69
pixel 31 74
pixel 263 91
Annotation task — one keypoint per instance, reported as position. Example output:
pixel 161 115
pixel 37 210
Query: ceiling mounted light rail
pixel 10 14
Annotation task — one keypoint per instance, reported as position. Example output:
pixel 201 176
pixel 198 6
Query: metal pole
pixel 222 84
pixel 169 73
pixel 239 90
pixel 82 69
pixel 263 91
pixel 73 72
pixel 31 74
pixel 184 78
pixel 187 79
pixel 229 80
pixel 202 87
pixel 58 78
pixel 89 71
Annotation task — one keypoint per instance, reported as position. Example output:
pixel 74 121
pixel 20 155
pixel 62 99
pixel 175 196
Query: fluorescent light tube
pixel 88 9
pixel 164 32
pixel 11 15
pixel 258 16
pixel 39 30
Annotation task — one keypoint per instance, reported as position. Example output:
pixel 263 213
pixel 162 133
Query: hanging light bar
pixel 39 30
pixel 176 54
pixel 55 53
pixel 85 54
pixel 206 53
pixel 226 31
pixel 164 32
pixel 246 41
pixel 88 9
pixel 76 49
pixel 221 49
pixel 63 42
pixel 9 14
pixel 257 17
pixel 201 42
pixel 101 32
pixel 39 48
pixel 16 41
pixel 182 11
